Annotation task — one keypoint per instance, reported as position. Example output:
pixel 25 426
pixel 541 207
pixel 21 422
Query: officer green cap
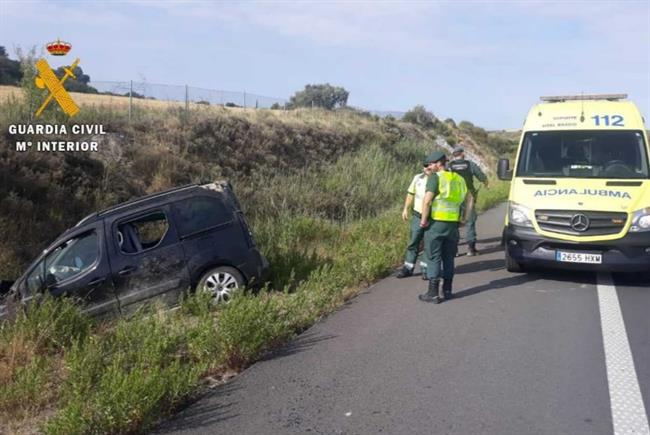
pixel 458 150
pixel 435 157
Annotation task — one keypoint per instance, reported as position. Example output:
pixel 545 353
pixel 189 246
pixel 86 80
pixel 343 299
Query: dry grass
pixel 319 117
pixel 119 102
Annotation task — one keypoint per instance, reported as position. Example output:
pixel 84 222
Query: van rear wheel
pixel 512 265
pixel 222 283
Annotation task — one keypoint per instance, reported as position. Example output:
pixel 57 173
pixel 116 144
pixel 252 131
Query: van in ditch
pixel 580 191
pixel 157 246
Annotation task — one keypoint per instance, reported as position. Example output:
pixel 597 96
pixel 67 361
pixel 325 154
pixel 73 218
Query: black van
pixel 191 237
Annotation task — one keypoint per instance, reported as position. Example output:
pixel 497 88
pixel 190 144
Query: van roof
pixel 587 112
pixel 154 198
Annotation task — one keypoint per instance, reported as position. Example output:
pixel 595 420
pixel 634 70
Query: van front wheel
pixel 221 282
pixel 512 265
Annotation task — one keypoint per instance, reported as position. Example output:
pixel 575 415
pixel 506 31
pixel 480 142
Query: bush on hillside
pixel 324 96
pixel 450 122
pixel 419 115
pixel 10 73
pixel 78 83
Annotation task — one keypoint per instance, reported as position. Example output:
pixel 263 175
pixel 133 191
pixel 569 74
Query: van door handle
pixel 97 280
pixel 126 270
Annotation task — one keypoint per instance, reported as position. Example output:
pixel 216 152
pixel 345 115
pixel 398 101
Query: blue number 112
pixel 617 120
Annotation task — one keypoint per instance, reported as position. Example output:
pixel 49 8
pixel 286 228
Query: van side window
pixel 200 213
pixel 36 278
pixel 143 233
pixel 68 260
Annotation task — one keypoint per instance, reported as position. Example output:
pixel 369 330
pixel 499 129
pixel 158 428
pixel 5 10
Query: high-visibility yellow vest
pixel 452 191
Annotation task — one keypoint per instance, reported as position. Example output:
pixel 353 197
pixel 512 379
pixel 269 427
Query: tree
pixel 420 116
pixel 33 95
pixel 80 84
pixel 450 122
pixel 135 94
pixel 10 73
pixel 325 96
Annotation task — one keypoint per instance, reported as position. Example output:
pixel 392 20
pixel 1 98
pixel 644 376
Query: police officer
pixel 468 170
pixel 414 198
pixel 441 212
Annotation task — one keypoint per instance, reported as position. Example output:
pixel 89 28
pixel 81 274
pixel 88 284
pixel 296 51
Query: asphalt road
pixel 511 354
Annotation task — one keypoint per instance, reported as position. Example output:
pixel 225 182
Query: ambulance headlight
pixel 641 220
pixel 519 215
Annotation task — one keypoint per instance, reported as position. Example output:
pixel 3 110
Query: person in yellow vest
pixel 441 214
pixel 413 202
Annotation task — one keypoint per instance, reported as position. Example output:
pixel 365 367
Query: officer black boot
pixel 404 272
pixel 446 289
pixel 472 249
pixel 432 292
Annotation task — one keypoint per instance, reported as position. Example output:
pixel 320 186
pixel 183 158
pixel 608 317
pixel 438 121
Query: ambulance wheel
pixel 512 265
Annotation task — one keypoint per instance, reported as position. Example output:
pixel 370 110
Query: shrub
pixel 124 379
pixel 323 96
pixel 420 116
pixel 29 376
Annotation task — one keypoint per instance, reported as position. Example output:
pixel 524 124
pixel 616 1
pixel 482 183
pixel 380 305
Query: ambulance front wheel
pixel 512 265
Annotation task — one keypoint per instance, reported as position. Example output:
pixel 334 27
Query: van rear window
pixel 583 154
pixel 201 213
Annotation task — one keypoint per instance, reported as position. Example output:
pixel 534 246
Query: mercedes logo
pixel 580 222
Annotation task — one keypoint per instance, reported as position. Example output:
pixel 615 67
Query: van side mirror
pixel 503 170
pixel 50 281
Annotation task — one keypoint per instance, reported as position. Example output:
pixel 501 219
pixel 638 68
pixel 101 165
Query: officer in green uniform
pixel 468 170
pixel 414 198
pixel 441 212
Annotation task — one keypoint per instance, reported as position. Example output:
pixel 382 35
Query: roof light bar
pixel 609 97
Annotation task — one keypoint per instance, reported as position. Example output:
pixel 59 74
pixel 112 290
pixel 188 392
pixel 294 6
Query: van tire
pixel 223 282
pixel 512 265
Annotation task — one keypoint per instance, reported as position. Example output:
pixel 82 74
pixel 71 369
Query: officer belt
pixel 417 214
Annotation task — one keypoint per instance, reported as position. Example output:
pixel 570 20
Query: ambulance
pixel 580 191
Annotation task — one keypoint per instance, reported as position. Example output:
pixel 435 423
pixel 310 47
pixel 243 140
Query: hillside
pixel 44 193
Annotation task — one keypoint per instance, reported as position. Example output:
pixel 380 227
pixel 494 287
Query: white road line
pixel 628 412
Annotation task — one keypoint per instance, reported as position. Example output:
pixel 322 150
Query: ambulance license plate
pixel 578 257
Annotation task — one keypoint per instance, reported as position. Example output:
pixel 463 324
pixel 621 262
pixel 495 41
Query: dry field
pixel 322 118
pixel 115 102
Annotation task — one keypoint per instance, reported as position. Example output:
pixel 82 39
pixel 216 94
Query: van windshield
pixel 583 154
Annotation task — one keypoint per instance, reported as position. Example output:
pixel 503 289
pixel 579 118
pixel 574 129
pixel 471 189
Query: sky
pixel 481 61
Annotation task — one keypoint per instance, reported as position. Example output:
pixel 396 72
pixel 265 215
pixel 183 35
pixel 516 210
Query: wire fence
pixel 135 93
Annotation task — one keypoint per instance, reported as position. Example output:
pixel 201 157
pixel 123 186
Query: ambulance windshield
pixel 583 154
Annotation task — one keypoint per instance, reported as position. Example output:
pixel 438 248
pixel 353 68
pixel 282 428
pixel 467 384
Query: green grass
pixel 123 377
pixel 488 198
pixel 122 380
pixel 30 350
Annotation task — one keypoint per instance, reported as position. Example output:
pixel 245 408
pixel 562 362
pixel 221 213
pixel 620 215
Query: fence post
pixel 130 99
pixel 187 103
